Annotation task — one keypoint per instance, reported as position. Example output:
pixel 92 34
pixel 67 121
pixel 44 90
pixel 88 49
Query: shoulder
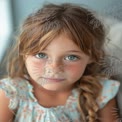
pixel 12 89
pixel 6 113
pixel 8 86
pixel 13 84
pixel 8 102
pixel 109 90
pixel 109 113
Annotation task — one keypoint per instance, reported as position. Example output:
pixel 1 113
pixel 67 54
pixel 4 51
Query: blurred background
pixel 14 12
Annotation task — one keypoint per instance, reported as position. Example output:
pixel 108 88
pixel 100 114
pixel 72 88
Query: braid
pixel 90 89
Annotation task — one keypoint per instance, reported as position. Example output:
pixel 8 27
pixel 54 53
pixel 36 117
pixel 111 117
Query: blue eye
pixel 41 55
pixel 71 58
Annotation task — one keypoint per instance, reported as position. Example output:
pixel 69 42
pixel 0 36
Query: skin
pixel 6 115
pixel 58 66
pixel 109 113
pixel 54 75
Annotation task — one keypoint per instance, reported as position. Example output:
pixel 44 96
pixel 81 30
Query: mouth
pixel 53 79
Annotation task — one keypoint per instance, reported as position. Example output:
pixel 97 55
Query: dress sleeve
pixel 109 91
pixel 11 92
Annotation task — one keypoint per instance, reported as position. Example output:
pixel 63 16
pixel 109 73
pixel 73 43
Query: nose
pixel 55 64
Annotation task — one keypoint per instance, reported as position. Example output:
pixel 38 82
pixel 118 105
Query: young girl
pixel 54 73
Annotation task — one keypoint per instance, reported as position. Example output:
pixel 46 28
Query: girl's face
pixel 58 66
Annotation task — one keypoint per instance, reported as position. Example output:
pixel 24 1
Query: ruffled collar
pixel 72 98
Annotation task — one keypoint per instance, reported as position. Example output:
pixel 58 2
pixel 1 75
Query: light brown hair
pixel 81 25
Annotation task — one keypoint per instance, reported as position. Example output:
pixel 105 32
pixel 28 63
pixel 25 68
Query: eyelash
pixel 40 54
pixel 44 56
pixel 74 56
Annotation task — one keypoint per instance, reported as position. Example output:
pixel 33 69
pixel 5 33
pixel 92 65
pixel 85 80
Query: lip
pixel 54 79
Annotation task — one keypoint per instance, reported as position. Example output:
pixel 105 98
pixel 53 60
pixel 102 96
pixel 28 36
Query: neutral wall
pixel 22 8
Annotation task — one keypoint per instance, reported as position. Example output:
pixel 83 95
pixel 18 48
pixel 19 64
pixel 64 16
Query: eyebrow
pixel 75 51
pixel 69 51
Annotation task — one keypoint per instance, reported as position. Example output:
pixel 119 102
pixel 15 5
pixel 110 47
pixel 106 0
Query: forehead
pixel 63 42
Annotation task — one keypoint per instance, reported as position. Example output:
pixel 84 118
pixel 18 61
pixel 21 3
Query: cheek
pixel 75 71
pixel 34 67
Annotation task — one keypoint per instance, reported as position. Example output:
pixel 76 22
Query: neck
pixel 50 92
